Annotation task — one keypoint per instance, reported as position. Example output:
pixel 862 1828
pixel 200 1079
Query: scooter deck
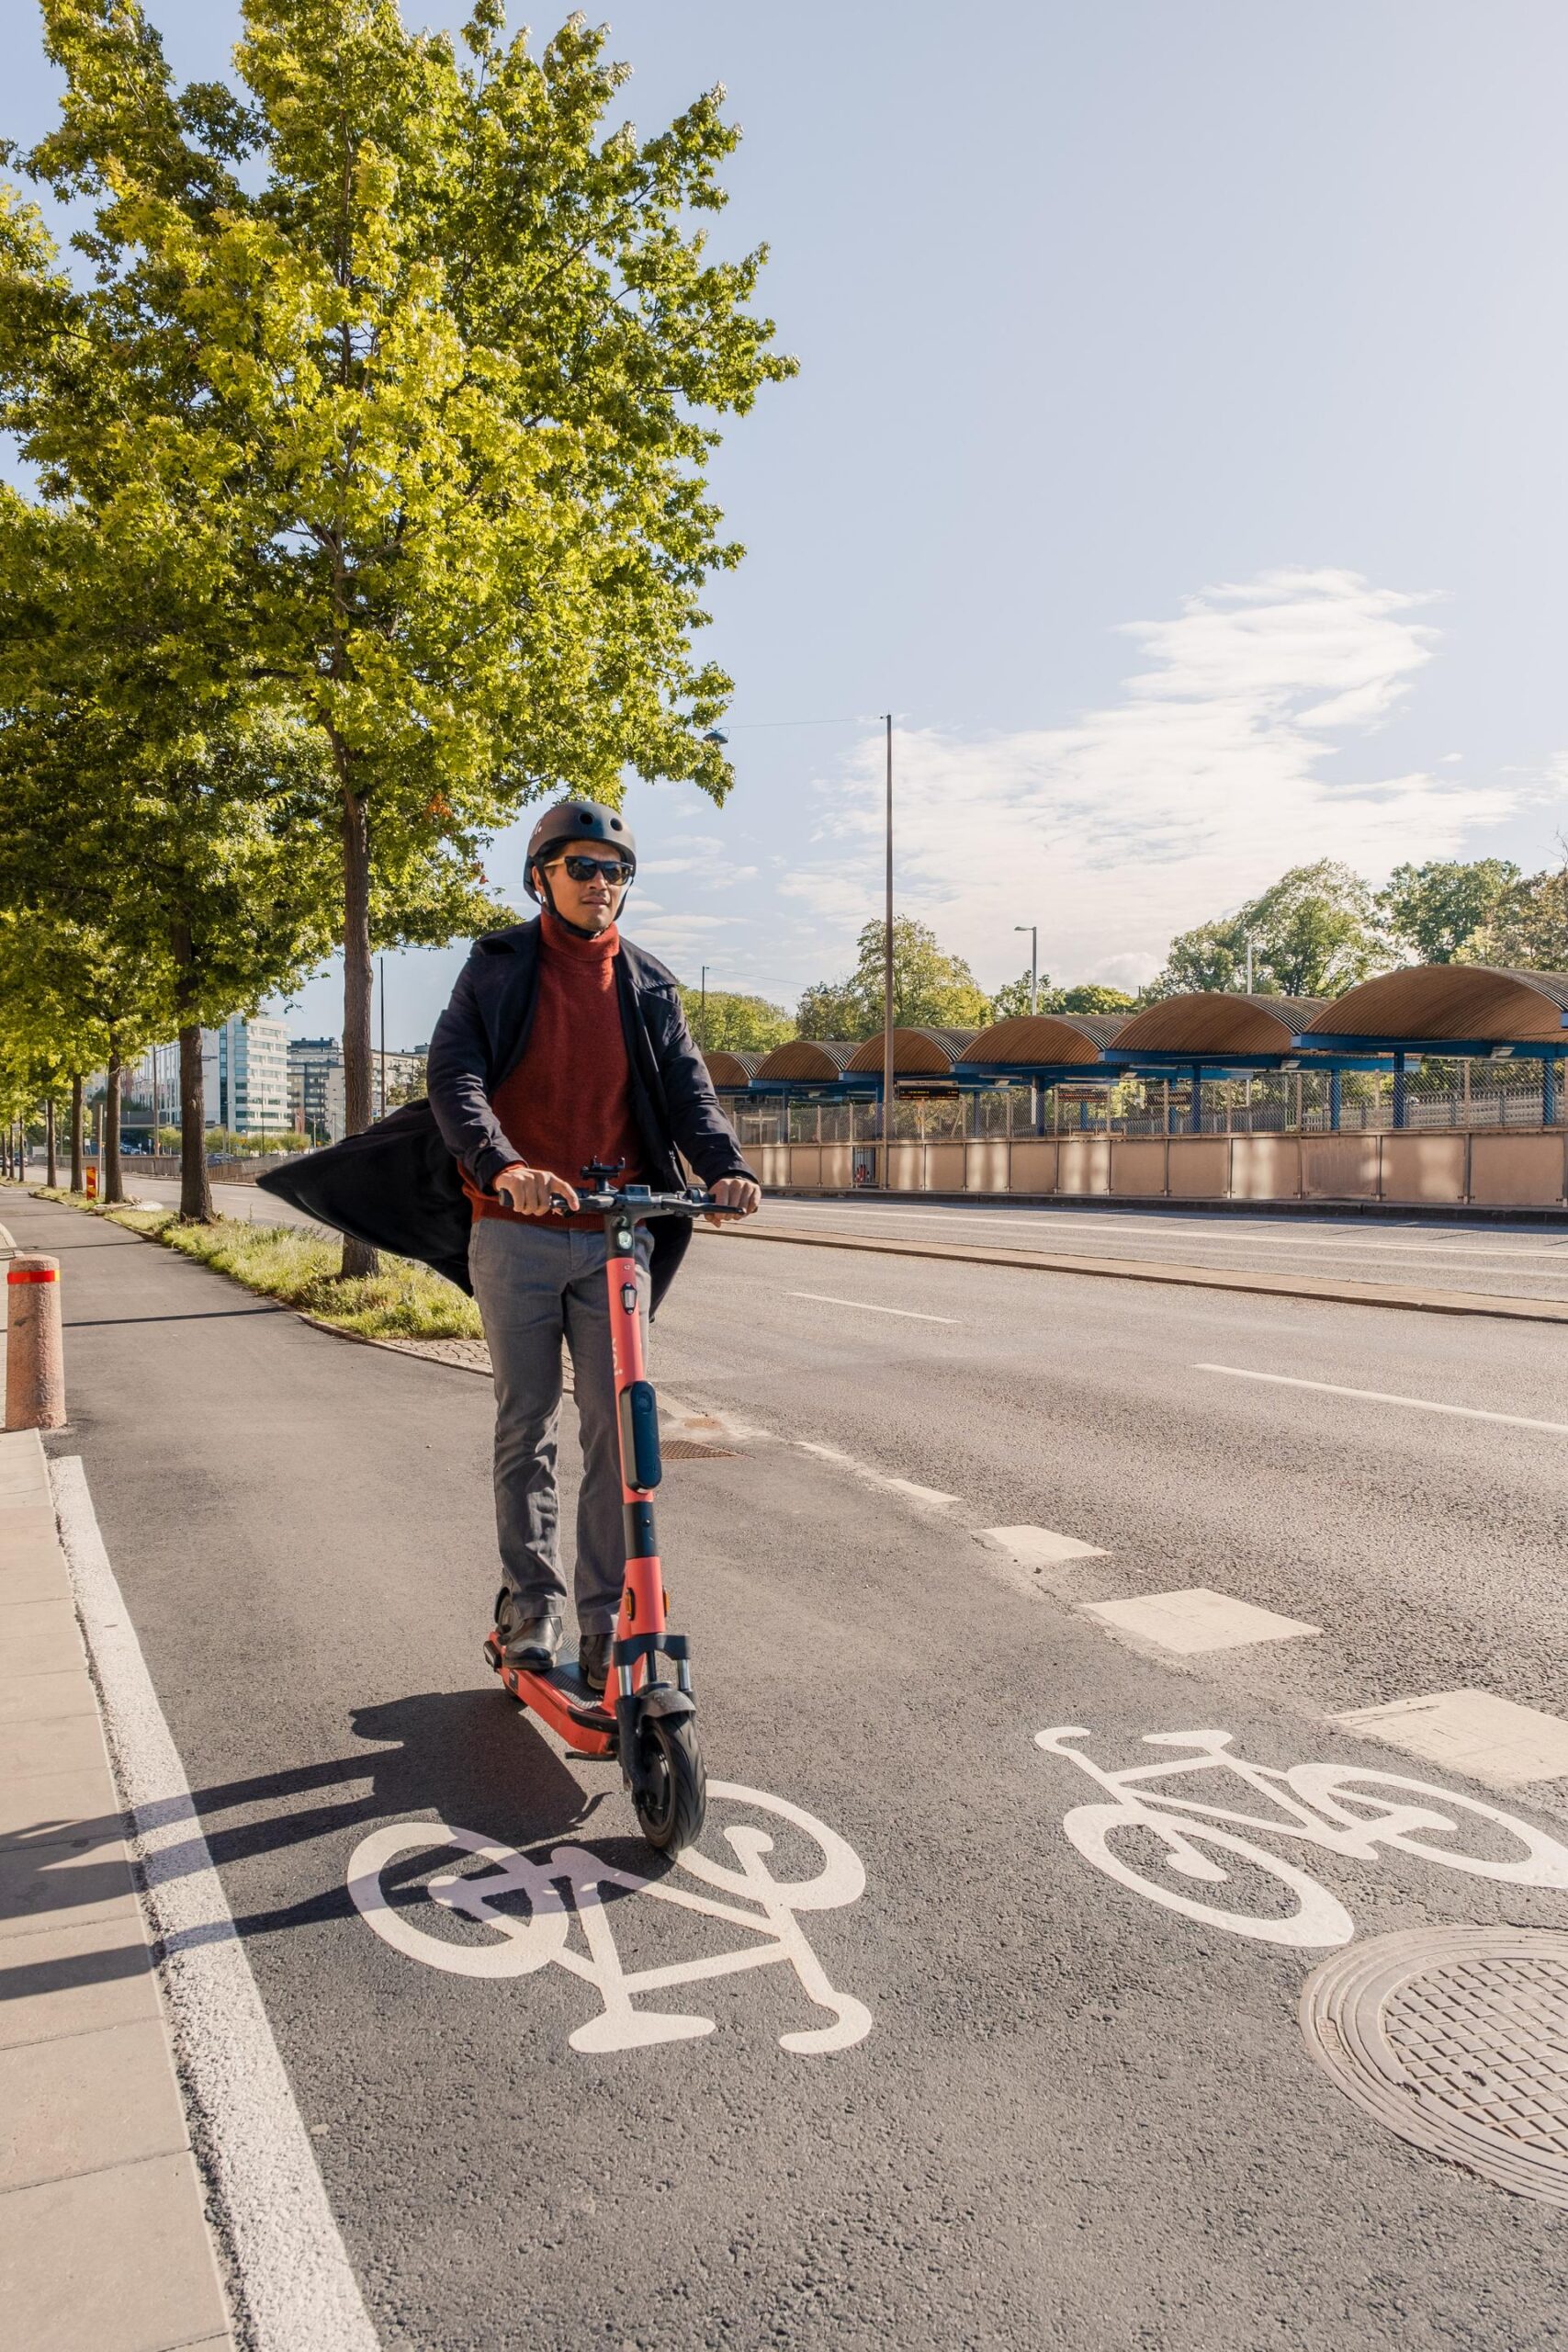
pixel 561 1698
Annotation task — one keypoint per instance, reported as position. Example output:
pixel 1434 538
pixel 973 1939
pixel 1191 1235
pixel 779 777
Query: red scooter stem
pixel 642 1591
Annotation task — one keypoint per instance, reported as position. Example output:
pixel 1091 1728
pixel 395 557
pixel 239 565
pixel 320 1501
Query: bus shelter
pixel 1212 1033
pixel 1462 1012
pixel 1044 1049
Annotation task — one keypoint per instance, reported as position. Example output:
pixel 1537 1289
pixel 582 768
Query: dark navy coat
pixel 397 1185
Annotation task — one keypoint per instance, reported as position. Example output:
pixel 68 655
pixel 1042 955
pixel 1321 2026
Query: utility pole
pixel 1250 967
pixel 887 987
pixel 1033 930
pixel 705 1011
pixel 383 961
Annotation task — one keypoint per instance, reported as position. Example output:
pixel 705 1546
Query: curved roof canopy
pixel 1470 1002
pixel 1042 1040
pixel 807 1059
pixel 730 1070
pixel 916 1053
pixel 1214 1022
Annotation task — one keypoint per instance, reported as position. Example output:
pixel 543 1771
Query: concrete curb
pixel 104 2243
pixel 1136 1270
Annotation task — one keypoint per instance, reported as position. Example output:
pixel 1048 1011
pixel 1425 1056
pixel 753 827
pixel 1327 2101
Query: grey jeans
pixel 536 1284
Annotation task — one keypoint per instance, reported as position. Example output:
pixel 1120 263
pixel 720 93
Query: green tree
pixel 930 989
pixel 1011 1000
pixel 1313 933
pixel 735 1023
pixel 1528 930
pixel 1090 996
pixel 1437 909
pixel 420 353
pixel 174 832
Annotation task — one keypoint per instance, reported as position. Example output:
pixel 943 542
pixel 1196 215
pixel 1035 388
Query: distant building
pixel 316 1084
pixel 244 1069
pixel 315 1088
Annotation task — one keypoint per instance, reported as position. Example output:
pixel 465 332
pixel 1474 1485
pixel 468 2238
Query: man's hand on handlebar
pixel 736 1193
pixel 532 1192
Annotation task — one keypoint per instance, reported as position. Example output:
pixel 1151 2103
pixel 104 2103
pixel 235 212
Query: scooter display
pixel 643 1719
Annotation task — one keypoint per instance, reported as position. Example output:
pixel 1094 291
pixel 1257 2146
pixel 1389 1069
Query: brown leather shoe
pixel 593 1659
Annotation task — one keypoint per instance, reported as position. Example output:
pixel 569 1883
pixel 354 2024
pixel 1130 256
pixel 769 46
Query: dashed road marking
pixel 1377 1397
pixel 1041 1547
pixel 1185 1622
pixel 1473 1732
pixel 909 1314
pixel 929 1498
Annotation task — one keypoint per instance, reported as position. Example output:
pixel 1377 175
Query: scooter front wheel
pixel 673 1800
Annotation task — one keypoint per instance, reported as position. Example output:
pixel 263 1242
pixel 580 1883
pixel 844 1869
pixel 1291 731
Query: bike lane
pixel 997 2097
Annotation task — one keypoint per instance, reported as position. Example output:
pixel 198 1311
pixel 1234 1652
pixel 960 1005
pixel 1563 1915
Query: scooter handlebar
pixel 638 1201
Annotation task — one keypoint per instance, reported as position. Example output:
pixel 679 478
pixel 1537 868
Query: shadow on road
pixel 469 1758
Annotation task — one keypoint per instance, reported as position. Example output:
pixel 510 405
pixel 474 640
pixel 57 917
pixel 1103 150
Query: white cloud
pixel 1223 763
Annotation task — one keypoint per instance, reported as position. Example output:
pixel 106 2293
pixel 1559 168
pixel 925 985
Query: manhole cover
pixel 685 1449
pixel 1457 2039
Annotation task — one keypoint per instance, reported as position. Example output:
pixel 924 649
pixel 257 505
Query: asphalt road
pixel 1519 1260
pixel 1523 1261
pixel 1062 2112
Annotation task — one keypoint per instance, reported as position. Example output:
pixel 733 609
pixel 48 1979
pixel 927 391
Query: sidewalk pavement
pixel 103 2246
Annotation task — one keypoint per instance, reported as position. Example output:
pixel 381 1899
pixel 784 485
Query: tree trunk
pixel 196 1185
pixel 51 1161
pixel 358 1257
pixel 114 1187
pixel 76 1132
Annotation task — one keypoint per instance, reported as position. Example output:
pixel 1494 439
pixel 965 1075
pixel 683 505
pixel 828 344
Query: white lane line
pixel 821 1298
pixel 926 1498
pixel 1471 1731
pixel 1041 1547
pixel 1377 1397
pixel 1201 1619
pixel 294 2270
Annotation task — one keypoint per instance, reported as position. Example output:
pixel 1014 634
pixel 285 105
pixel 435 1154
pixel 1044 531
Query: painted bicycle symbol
pixel 569 1888
pixel 1350 1809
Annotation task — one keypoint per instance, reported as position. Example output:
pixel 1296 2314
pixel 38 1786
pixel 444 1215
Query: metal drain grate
pixel 1457 2039
pixel 685 1449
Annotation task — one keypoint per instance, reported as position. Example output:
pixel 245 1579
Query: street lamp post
pixel 704 1016
pixel 1033 930
pixel 888 985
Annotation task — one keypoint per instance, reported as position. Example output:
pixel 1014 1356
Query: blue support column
pixel 1548 1091
pixel 1334 1101
pixel 1083 1112
pixel 1399 1090
pixel 1195 1114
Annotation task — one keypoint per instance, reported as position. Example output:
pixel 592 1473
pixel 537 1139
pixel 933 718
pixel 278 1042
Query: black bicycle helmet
pixel 577 820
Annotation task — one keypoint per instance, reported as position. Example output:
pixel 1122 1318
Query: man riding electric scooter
pixel 563 1047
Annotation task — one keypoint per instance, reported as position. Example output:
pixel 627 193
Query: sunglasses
pixel 612 870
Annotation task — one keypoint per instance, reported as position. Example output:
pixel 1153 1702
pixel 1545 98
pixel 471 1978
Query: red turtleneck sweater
pixel 570 1101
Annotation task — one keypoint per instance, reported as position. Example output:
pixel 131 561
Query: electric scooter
pixel 643 1720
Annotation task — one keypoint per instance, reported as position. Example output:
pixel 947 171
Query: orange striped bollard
pixel 35 1351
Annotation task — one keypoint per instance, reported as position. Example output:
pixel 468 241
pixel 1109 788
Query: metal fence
pixel 1436 1094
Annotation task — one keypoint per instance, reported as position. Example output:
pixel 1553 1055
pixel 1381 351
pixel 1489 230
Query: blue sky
pixel 1177 452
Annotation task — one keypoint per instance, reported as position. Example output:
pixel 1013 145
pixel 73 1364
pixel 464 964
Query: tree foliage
pixel 1313 933
pixel 930 989
pixel 1527 929
pixel 735 1023
pixel 413 361
pixel 1438 908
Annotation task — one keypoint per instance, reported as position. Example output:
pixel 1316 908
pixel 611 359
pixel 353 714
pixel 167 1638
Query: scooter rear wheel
pixel 673 1798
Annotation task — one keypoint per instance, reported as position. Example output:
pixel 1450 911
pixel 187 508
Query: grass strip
pixel 404 1301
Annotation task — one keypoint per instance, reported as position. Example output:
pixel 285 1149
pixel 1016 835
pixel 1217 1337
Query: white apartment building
pixel 316 1085
pixel 245 1074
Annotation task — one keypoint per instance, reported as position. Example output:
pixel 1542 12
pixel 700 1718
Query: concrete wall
pixel 1488 1167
